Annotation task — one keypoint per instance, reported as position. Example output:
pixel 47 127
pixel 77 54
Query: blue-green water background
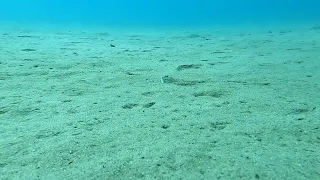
pixel 164 12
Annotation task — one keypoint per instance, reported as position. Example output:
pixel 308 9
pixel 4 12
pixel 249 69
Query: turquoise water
pixel 165 12
pixel 223 97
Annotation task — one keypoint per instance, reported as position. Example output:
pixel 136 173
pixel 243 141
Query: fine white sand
pixel 162 104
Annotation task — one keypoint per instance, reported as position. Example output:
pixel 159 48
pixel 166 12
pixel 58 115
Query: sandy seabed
pixel 160 104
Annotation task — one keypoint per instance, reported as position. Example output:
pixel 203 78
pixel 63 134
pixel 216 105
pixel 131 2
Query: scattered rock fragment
pixel 148 105
pixel 28 50
pixel 188 66
pixel 177 81
pixel 212 93
pixel 129 106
